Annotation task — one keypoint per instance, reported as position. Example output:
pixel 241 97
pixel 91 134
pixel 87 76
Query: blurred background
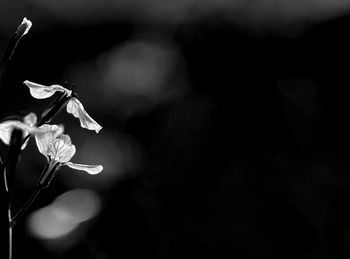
pixel 225 127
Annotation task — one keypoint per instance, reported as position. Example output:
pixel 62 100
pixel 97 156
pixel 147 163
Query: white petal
pixel 90 169
pixel 27 127
pixel 61 149
pixel 46 134
pixel 6 128
pixel 39 91
pixel 27 24
pixel 5 131
pixel 75 107
pixel 30 120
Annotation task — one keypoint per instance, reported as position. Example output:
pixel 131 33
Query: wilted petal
pixel 90 169
pixel 45 135
pixel 39 91
pixel 75 107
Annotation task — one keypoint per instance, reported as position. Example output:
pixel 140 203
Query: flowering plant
pixel 51 142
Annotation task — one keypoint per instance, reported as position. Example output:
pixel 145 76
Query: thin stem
pixel 5 214
pixel 10 232
pixel 26 206
pixel 11 46
pixel 54 108
pixel 5 181
pixel 9 172
pixel 47 175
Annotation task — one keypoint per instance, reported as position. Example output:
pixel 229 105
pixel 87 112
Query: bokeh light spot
pixel 64 214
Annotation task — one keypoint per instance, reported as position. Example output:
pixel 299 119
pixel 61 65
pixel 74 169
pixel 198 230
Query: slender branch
pixel 9 172
pixel 54 108
pixel 2 168
pixel 26 206
pixel 11 46
pixel 32 198
pixel 1 162
pixel 44 181
pixel 9 216
pixel 10 232
pixel 9 166
pixel 7 245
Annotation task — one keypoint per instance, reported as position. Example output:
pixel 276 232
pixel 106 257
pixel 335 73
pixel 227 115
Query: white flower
pixel 58 149
pixel 25 25
pixel 74 106
pixel 27 127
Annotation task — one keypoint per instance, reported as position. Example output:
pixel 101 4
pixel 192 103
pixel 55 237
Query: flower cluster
pixel 74 106
pixel 50 139
pixel 51 142
pixel 59 150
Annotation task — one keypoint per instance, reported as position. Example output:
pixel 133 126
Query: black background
pixel 252 162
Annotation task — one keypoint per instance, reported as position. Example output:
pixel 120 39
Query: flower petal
pixel 6 128
pixel 61 149
pixel 39 91
pixel 46 134
pixel 30 120
pixel 75 107
pixel 27 127
pixel 90 169
pixel 24 27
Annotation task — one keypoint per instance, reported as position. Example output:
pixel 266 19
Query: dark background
pixel 228 138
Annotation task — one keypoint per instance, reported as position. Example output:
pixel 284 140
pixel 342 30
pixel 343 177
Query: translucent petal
pixel 61 149
pixel 39 91
pixel 90 169
pixel 27 127
pixel 75 107
pixel 46 134
pixel 6 128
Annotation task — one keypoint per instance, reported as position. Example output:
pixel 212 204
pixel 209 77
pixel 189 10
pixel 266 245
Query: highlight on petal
pixel 24 26
pixel 6 128
pixel 45 135
pixel 90 169
pixel 39 91
pixel 27 127
pixel 76 108
pixel 5 131
pixel 61 149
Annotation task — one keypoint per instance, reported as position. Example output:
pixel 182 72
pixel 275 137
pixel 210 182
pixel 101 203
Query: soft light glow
pixel 49 223
pixel 118 154
pixel 137 68
pixel 170 11
pixel 64 214
pixel 78 205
